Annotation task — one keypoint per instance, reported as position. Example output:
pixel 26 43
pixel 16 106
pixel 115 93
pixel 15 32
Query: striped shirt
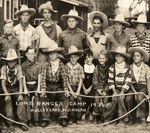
pixel 121 80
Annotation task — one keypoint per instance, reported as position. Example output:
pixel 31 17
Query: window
pixel 7 9
pixel 15 8
pixel 1 3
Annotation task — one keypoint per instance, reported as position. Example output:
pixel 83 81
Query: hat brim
pixel 101 15
pixel 123 54
pixel 145 54
pixel 45 6
pixel 8 59
pixel 136 22
pixel 117 21
pixel 59 50
pixel 66 16
pixel 32 11
pixel 79 52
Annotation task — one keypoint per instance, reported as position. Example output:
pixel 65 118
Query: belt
pixel 31 83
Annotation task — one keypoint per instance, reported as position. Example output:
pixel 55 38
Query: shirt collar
pixel 118 36
pixel 73 31
pixel 73 67
pixel 102 33
pixel 6 36
pixel 89 68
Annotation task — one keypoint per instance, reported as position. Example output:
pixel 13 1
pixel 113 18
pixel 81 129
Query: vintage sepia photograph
pixel 74 66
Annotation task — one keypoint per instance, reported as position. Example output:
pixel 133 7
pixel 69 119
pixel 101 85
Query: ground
pixel 89 128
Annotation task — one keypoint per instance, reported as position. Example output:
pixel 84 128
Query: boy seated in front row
pixel 75 76
pixel 11 76
pixel 31 71
pixel 53 79
pixel 100 85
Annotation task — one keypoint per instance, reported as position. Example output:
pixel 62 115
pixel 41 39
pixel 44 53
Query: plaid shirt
pixel 31 70
pixel 120 80
pixel 25 37
pixel 144 74
pixel 60 76
pixel 74 73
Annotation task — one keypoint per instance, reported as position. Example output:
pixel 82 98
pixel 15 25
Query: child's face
pixel 89 60
pixel 119 58
pixel 141 28
pixel 53 56
pixel 74 59
pixel 31 55
pixel 72 23
pixel 137 57
pixel 118 27
pixel 12 64
pixel 102 59
pixel 47 14
pixel 25 17
pixel 8 28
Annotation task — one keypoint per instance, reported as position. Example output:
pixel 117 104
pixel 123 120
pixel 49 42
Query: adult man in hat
pixel 98 39
pixel 24 31
pixel 140 37
pixel 53 79
pixel 72 35
pixel 48 31
pixel 11 75
pixel 119 37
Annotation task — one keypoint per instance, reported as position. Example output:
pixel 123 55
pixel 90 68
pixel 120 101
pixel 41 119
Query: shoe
pixel 63 122
pixel 11 128
pixel 44 124
pixel 24 128
pixel 36 124
pixel 30 124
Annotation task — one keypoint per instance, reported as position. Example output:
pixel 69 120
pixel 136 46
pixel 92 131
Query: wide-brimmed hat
pixel 122 50
pixel 101 15
pixel 142 19
pixel 72 13
pixel 74 51
pixel 47 5
pixel 23 9
pixel 145 54
pixel 11 55
pixel 120 19
pixel 53 47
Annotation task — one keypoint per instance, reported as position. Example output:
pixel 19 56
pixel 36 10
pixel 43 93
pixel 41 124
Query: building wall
pixel 1 16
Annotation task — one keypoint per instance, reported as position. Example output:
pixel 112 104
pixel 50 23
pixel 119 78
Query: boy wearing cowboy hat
pixel 140 79
pixel 72 35
pixel 75 75
pixel 53 79
pixel 98 39
pixel 141 38
pixel 31 70
pixel 8 40
pixel 24 31
pixel 11 76
pixel 47 31
pixel 119 81
pixel 119 37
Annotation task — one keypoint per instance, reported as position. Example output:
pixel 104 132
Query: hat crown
pixel 73 13
pixel 121 49
pixel 142 18
pixel 72 49
pixel 11 55
pixel 120 17
pixel 23 7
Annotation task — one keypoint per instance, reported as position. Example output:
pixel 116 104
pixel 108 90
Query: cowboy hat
pixel 47 5
pixel 74 51
pixel 145 54
pixel 121 50
pixel 142 19
pixel 23 9
pixel 101 15
pixel 53 48
pixel 11 55
pixel 72 13
pixel 119 19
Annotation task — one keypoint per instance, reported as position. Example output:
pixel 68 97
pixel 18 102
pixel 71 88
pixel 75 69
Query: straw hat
pixel 72 13
pixel 142 19
pixel 120 19
pixel 74 51
pixel 101 15
pixel 121 50
pixel 47 5
pixel 53 48
pixel 145 54
pixel 11 55
pixel 23 9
